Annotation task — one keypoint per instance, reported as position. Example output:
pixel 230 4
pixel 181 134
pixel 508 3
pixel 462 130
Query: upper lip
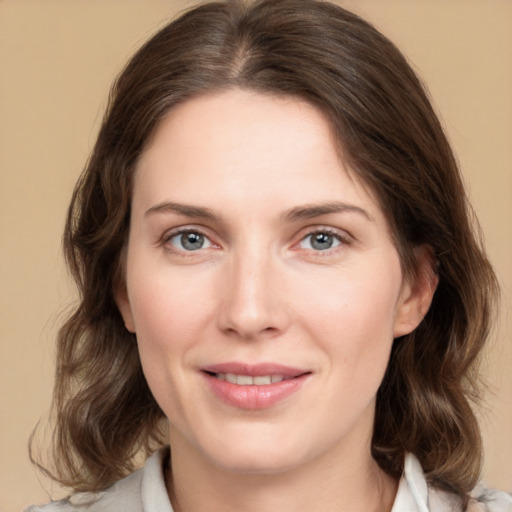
pixel 255 370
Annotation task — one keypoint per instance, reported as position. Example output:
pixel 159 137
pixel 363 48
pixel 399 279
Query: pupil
pixel 322 241
pixel 192 241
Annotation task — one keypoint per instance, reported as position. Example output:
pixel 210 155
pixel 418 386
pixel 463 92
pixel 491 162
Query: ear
pixel 417 292
pixel 125 308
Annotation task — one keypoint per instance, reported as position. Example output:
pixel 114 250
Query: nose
pixel 254 301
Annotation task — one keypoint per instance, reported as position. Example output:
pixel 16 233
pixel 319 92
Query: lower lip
pixel 252 396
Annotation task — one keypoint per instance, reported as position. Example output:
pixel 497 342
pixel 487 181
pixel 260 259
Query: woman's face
pixel 262 284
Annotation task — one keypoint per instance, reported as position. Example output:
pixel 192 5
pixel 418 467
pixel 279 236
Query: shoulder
pixel 141 491
pixel 491 500
pixel 130 494
pixel 483 500
pixel 415 494
pixel 123 495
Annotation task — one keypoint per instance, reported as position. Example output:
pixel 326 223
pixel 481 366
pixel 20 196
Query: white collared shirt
pixel 145 491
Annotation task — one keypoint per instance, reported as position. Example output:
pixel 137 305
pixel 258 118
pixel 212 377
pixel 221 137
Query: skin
pixel 257 290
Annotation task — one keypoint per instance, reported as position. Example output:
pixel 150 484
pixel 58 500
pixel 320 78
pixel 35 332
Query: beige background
pixel 57 59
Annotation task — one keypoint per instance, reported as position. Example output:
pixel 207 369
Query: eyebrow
pixel 319 209
pixel 182 209
pixel 295 214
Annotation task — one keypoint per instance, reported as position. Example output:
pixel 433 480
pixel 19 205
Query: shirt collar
pixel 153 491
pixel 412 495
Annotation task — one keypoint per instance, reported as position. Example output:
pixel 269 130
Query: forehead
pixel 219 122
pixel 246 146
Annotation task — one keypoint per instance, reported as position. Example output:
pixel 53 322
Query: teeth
pixel 259 381
pixel 247 380
pixel 244 380
pixel 231 378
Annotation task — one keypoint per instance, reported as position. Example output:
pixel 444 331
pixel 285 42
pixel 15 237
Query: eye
pixel 189 241
pixel 320 241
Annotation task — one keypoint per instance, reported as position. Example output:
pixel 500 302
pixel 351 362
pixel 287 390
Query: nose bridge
pixel 252 303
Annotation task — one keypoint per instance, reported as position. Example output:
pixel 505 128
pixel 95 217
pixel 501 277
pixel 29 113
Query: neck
pixel 350 480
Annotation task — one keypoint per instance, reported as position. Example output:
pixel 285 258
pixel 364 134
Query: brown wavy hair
pixel 383 119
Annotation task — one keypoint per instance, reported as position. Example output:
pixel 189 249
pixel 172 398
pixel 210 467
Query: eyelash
pixel 343 240
pixel 166 240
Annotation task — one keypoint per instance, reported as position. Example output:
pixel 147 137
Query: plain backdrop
pixel 57 60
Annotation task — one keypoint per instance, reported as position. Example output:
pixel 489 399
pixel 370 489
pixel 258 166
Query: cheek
pixel 165 337
pixel 353 322
pixel 168 313
pixel 167 306
pixel 359 301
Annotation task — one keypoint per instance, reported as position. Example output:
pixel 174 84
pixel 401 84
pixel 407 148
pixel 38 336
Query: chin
pixel 256 462
pixel 249 451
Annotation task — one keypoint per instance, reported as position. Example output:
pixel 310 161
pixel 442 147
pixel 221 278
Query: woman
pixel 272 243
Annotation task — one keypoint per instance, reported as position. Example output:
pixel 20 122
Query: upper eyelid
pixel 341 233
pixel 169 233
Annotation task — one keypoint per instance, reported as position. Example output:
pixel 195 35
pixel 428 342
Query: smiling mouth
pixel 249 380
pixel 253 387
